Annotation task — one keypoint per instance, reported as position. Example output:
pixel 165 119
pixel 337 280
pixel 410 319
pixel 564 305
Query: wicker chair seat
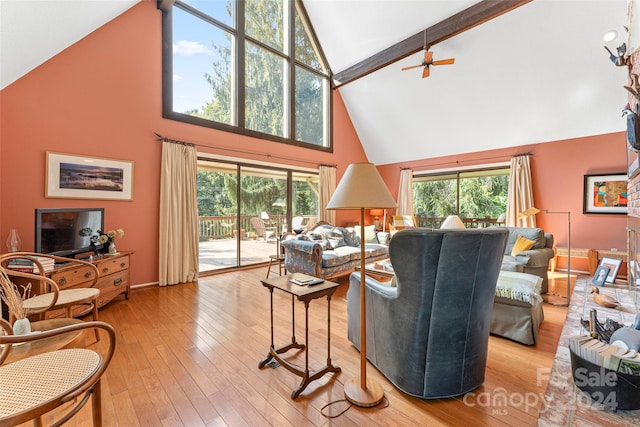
pixel 57 373
pixel 65 297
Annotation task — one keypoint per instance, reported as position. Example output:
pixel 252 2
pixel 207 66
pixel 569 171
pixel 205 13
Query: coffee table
pixel 305 294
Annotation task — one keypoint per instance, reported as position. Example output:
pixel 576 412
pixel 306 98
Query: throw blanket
pixel 519 286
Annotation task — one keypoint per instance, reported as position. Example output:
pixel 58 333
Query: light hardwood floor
pixel 188 355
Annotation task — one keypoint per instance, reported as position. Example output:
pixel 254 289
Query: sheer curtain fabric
pixel 327 188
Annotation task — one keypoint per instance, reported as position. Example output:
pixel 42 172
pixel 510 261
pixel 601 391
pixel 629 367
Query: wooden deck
pixel 222 253
pixel 187 355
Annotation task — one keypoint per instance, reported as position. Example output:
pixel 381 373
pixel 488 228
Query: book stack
pixel 305 280
pixel 28 266
pixel 615 357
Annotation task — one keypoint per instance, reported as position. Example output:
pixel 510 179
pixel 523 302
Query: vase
pixel 112 248
pixel 22 327
pixel 13 241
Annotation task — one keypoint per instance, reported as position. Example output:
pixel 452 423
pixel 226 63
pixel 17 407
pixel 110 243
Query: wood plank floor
pixel 188 355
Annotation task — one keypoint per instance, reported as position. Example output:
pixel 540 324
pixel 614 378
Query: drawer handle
pixel 117 281
pixel 104 270
pixel 62 281
pixel 88 274
pixel 123 264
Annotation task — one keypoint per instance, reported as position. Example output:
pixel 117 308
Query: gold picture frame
pixel 72 176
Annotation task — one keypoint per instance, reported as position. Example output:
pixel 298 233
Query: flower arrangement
pixel 12 297
pixel 107 238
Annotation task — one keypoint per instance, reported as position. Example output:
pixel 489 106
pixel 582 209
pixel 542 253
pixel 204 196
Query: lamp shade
pixel 376 212
pixel 452 222
pixel 264 215
pixel 361 187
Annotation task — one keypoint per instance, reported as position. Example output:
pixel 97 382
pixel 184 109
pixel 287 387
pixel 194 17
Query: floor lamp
pixel 362 188
pixel 533 211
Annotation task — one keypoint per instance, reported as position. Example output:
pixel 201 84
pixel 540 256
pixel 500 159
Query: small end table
pixel 305 294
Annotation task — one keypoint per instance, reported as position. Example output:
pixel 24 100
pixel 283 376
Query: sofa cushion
pixel 340 255
pixel 522 244
pixel 369 234
pixel 535 234
pixel 374 250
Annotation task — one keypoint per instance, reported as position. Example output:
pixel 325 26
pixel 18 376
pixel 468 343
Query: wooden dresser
pixel 113 276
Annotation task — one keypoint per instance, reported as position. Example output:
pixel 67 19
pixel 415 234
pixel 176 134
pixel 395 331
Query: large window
pixel 477 197
pixel 251 67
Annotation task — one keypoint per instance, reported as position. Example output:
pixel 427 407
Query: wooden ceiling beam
pixel 462 21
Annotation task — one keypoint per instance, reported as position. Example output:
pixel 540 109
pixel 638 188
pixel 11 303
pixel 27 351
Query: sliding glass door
pixel 244 209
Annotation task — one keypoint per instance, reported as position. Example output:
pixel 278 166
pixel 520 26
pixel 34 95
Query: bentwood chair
pixel 47 296
pixel 35 385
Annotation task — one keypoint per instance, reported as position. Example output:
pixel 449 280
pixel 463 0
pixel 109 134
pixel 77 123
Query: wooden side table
pixel 305 294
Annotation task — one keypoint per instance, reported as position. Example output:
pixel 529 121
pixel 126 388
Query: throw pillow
pixel 369 233
pixel 522 244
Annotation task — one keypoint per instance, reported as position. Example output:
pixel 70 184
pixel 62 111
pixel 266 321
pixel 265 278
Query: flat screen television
pixel 67 232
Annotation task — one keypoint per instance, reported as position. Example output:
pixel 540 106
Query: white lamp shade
pixel 264 215
pixel 361 186
pixel 452 222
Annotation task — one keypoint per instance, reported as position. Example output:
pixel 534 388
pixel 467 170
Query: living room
pixel 102 97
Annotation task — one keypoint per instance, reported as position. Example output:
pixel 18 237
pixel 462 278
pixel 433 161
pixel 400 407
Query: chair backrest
pixel 400 222
pixel 447 280
pixel 258 225
pixel 296 221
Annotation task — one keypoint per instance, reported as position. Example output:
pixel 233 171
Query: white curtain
pixel 520 197
pixel 327 188
pixel 178 258
pixel 405 193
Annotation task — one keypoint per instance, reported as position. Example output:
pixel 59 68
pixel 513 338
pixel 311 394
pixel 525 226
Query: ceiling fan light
pixel 610 36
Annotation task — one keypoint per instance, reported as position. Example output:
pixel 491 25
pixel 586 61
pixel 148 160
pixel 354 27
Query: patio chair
pixel 261 229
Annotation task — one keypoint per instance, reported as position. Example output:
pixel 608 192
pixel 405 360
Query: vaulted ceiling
pixel 535 74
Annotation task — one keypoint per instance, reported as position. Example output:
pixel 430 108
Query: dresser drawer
pixel 76 277
pixel 110 266
pixel 112 285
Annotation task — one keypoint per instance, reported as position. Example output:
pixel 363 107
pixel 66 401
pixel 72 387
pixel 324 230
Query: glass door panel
pixel 217 215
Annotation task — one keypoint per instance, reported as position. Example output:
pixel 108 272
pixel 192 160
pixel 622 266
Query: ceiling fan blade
pixel 411 67
pixel 425 72
pixel 428 56
pixel 444 61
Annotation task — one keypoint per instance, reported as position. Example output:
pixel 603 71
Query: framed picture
pixel 613 265
pixel 601 275
pixel 82 177
pixel 605 194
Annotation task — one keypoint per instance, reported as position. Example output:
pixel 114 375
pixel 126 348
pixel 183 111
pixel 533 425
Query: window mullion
pixel 240 65
pixel 292 71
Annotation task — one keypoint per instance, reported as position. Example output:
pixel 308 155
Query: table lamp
pixel 376 217
pixel 362 188
pixel 534 211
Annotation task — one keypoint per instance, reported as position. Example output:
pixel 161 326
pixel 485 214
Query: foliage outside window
pixel 251 67
pixel 468 194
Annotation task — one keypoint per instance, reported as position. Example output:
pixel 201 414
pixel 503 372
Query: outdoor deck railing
pixel 224 227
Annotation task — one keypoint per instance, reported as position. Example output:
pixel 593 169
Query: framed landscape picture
pixel 82 177
pixel 605 194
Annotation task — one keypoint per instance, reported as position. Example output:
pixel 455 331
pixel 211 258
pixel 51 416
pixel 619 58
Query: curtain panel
pixel 327 188
pixel 520 195
pixel 178 239
pixel 405 193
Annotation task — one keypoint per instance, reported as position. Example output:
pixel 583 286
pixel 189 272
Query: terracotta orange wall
pixel 103 97
pixel 557 170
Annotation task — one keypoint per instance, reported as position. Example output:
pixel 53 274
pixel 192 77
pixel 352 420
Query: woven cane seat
pixel 65 297
pixel 33 381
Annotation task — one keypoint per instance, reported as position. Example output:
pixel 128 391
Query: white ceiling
pixel 536 74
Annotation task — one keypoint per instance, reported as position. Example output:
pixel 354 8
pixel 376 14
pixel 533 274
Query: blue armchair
pixel 429 333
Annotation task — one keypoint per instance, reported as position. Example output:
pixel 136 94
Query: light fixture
pixel 610 36
pixel 376 217
pixel 362 188
pixel 533 211
pixel 452 222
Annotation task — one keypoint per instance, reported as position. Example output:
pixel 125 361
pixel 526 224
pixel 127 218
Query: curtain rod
pixel 267 155
pixel 459 162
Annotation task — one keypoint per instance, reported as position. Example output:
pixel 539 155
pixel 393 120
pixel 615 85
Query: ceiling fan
pixel 427 62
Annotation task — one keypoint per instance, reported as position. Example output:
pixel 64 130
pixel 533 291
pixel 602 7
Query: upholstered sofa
pixel 534 260
pixel 429 334
pixel 328 251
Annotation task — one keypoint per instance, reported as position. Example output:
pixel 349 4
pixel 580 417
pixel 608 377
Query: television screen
pixel 66 232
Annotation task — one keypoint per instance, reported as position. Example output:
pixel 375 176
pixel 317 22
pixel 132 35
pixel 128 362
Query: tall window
pixel 470 194
pixel 247 66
